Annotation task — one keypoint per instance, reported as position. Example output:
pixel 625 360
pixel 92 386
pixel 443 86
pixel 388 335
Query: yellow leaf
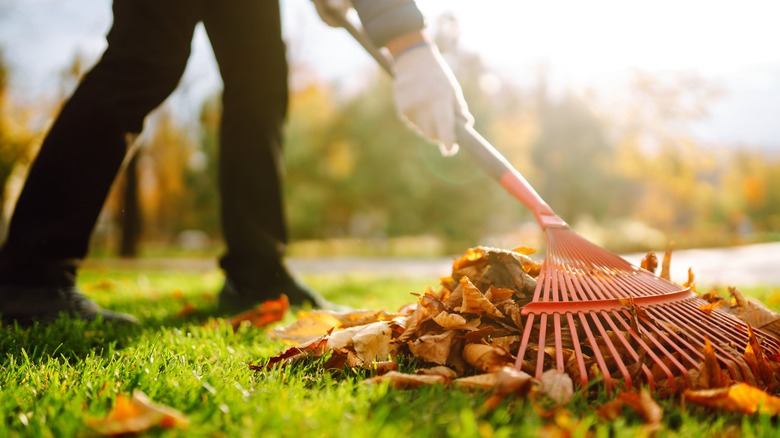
pixel 137 414
pixel 739 397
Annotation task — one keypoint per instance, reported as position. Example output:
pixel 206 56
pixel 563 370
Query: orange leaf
pixel 710 374
pixel 186 309
pixel 649 262
pixel 643 404
pixel 754 356
pixel 739 397
pixel 486 358
pixel 137 414
pixel 708 308
pixel 666 264
pixel 265 313
pixel 406 381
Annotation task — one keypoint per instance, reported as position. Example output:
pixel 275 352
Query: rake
pixel 586 296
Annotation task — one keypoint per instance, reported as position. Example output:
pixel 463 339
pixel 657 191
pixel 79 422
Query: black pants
pixel 148 47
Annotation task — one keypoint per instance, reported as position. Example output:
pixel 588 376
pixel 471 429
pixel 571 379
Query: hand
pixel 333 12
pixel 428 97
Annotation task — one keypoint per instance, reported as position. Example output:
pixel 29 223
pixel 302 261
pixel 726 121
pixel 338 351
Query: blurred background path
pixel 741 266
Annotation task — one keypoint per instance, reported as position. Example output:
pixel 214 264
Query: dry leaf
pixel 649 262
pixel 265 313
pixel 406 381
pixel 708 308
pixel 432 348
pixel 486 358
pixel 314 348
pixel 372 343
pixel 137 414
pixel 754 356
pixel 739 397
pixel 666 264
pixel 454 321
pixel 446 372
pixel 484 382
pixel 308 326
pixel 643 404
pixel 475 302
pixel 186 309
pixel 710 374
pixel 557 386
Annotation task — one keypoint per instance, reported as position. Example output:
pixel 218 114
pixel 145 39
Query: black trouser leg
pixel 247 42
pixel 49 232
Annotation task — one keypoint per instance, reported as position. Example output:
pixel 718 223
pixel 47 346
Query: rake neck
pixel 497 166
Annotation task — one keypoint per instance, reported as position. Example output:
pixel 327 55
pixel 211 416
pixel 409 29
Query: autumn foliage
pixel 466 335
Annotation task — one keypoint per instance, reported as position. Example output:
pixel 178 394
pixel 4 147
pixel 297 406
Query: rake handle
pixel 487 157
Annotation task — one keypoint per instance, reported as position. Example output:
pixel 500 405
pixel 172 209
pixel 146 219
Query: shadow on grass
pixel 75 339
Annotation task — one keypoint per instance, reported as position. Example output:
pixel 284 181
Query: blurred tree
pixel 16 142
pixel 574 159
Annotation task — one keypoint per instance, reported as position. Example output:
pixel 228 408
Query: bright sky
pixel 593 43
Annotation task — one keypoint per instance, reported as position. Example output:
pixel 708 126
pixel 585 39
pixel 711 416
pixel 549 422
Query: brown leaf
pixel 406 381
pixel 510 381
pixel 557 386
pixel 432 348
pixel 643 404
pixel 708 308
pixel 372 343
pixel 666 264
pixel 314 348
pixel 475 302
pixel 486 358
pixel 691 283
pixel 739 397
pixel 309 325
pixel 710 374
pixel 186 309
pixel 454 321
pixel 264 314
pixel 649 262
pixel 754 356
pixel 446 372
pixel 498 294
pixel 483 382
pixel 137 414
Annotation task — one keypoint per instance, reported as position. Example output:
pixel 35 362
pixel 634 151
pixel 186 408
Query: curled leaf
pixel 406 381
pixel 739 397
pixel 433 348
pixel 486 358
pixel 557 386
pixel 136 414
pixel 264 314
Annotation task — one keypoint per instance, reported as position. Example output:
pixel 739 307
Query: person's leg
pixel 247 41
pixel 148 47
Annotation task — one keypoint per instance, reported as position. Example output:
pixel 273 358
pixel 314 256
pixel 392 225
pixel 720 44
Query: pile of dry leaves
pixel 464 334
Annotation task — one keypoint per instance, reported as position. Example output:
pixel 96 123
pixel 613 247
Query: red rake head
pixel 594 315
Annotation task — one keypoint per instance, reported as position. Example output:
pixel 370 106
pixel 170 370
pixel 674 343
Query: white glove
pixel 428 97
pixel 332 12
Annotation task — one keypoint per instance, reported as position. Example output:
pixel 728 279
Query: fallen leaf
pixel 484 382
pixel 446 372
pixel 264 314
pixel 754 356
pixel 643 404
pixel 186 309
pixel 665 265
pixel 454 321
pixel 649 262
pixel 432 348
pixel 739 397
pixel 476 302
pixel 708 308
pixel 406 381
pixel 137 414
pixel 314 348
pixel 710 374
pixel 486 358
pixel 309 325
pixel 372 343
pixel 557 386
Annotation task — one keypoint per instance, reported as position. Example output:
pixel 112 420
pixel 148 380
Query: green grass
pixel 55 378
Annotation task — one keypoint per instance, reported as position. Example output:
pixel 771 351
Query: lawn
pixel 56 378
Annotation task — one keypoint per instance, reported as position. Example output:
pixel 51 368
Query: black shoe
pixel 234 298
pixel 26 305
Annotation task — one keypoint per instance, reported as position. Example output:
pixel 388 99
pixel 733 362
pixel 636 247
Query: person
pixel 148 47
